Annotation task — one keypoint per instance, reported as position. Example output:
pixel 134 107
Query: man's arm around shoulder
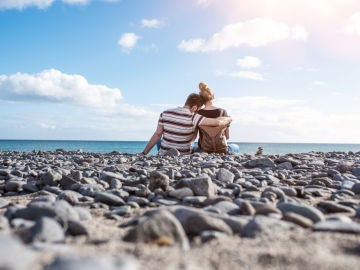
pixel 214 122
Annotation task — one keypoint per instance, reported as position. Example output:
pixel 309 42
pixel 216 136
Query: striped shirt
pixel 179 127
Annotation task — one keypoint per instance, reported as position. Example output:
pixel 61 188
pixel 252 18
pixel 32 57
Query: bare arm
pixel 214 122
pixel 154 139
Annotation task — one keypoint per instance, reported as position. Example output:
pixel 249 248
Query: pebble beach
pixel 75 210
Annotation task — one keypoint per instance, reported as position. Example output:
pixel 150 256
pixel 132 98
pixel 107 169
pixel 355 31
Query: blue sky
pixel 286 70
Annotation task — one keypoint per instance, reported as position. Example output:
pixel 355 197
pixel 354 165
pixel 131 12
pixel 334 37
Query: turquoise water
pixel 132 147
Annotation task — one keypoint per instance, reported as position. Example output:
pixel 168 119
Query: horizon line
pixel 250 142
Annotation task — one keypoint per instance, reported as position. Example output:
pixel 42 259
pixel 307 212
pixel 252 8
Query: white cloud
pixel 47 126
pixel 353 24
pixel 328 22
pixel 336 94
pixel 319 83
pixel 255 33
pixel 54 86
pixel 247 75
pixel 75 2
pixel 41 4
pixel 257 102
pixel 37 104
pixel 298 32
pixel 47 122
pixel 151 23
pixel 203 2
pixel 21 4
pixel 307 69
pixel 192 45
pixel 249 62
pixel 165 105
pixel 268 119
pixel 128 40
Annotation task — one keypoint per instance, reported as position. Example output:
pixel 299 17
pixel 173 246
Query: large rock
pixel 66 182
pixel 356 171
pixel 84 213
pixel 4 203
pixel 333 207
pixel 74 262
pixel 14 185
pixel 260 163
pixel 297 219
pixel 47 230
pixel 70 196
pixel 266 226
pixel 65 211
pixel 75 228
pixel 285 166
pixel 225 175
pixel 4 224
pixel 181 193
pixel 160 228
pixel 109 199
pixel 61 210
pixel 304 210
pixel 337 226
pixel 292 161
pixel 51 178
pixel 158 180
pixel 5 173
pixel 196 221
pixel 34 212
pixel 108 176
pixel 225 207
pixel 201 186
pixel 14 255
pixel 356 188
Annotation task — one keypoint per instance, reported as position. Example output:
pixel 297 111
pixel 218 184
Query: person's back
pixel 212 139
pixel 179 126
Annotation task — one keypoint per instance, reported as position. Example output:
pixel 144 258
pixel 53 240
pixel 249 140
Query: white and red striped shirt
pixel 179 127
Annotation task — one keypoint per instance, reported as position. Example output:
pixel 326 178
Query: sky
pixel 285 70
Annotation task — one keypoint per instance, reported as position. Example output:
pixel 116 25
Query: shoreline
pixel 133 147
pixel 199 211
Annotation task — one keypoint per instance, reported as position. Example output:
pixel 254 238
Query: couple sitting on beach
pixel 177 128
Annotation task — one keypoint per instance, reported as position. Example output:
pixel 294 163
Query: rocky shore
pixel 75 210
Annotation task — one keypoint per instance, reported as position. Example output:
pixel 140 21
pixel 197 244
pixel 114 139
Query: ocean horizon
pixel 133 147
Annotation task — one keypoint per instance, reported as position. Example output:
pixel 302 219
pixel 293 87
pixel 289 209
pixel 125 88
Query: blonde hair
pixel 205 92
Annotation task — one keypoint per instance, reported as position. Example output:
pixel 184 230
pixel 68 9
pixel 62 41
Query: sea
pixel 133 147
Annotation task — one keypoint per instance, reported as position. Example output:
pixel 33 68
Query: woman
pixel 213 140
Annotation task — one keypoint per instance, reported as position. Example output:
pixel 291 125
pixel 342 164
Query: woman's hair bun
pixel 203 86
pixel 205 92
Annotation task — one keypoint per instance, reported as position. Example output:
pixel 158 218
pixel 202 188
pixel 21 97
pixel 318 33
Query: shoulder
pixel 222 112
pixel 225 113
pixel 197 118
pixel 177 111
pixel 170 110
pixel 201 112
pixel 167 113
pixel 197 115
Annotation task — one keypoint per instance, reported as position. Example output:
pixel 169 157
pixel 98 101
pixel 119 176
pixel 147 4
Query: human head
pixel 205 92
pixel 194 102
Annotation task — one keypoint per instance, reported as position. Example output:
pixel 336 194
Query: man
pixel 177 126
